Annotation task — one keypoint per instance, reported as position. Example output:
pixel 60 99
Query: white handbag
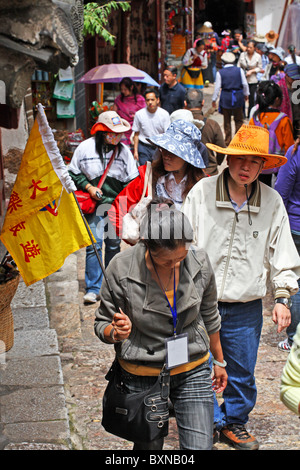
pixel 132 220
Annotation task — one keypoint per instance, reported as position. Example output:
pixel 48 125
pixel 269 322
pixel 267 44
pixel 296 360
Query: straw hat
pixel 251 140
pixel 205 29
pixel 271 36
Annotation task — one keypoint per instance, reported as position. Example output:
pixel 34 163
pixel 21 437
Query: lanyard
pixel 174 308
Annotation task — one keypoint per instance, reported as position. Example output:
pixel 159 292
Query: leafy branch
pixel 96 18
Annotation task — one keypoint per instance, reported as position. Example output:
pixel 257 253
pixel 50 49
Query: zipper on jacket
pixel 228 256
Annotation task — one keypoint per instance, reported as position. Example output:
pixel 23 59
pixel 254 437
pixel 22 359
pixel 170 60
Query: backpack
pixel 274 146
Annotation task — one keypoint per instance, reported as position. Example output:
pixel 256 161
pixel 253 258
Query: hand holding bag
pixel 87 203
pixel 132 220
pixel 137 417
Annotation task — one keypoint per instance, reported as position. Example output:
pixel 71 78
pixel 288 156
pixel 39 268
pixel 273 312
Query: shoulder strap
pixel 103 177
pixel 147 181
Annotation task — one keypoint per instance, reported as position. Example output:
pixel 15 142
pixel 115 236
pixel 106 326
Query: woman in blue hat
pixel 177 166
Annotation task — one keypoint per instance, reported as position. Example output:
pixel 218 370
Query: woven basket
pixel 7 292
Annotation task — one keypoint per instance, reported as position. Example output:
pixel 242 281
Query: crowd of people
pixel 210 239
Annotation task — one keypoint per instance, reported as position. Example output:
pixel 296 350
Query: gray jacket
pixel 140 297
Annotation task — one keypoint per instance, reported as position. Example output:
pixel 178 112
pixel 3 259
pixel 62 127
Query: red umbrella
pixel 111 73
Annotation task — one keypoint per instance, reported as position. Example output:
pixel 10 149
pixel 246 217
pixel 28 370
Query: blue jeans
pixel 192 397
pixel 240 334
pixel 100 228
pixel 145 152
pixel 295 308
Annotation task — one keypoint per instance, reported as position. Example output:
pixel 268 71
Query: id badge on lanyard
pixel 176 346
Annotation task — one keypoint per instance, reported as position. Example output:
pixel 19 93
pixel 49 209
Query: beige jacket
pixel 243 256
pixel 143 301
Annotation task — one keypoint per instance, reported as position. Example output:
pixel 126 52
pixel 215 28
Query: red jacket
pixel 128 197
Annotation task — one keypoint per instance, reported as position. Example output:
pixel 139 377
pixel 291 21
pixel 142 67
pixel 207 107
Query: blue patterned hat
pixel 183 139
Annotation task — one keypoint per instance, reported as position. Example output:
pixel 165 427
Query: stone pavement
pixel 52 380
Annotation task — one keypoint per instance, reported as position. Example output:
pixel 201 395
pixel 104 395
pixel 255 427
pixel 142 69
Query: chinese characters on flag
pixel 43 224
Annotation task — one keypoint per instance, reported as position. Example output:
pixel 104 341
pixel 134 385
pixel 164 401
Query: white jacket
pixel 244 255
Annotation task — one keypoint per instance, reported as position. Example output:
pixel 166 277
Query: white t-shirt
pixel 86 160
pixel 150 124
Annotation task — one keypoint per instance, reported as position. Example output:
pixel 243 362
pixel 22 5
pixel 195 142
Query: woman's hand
pixel 93 190
pixel 219 379
pixel 122 325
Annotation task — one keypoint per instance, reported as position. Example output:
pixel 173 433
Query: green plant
pixel 96 18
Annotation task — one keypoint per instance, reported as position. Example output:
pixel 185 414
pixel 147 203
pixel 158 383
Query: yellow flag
pixel 43 224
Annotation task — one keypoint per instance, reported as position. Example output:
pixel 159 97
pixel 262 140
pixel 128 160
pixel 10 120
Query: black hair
pixel 164 227
pixel 267 92
pixel 101 146
pixel 292 51
pixel 200 42
pixel 172 69
pixel 152 90
pixel 130 85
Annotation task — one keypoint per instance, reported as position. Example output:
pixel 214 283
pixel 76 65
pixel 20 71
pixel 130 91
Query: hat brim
pixel 271 160
pixel 166 146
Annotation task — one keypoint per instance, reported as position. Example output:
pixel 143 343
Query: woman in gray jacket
pixel 165 286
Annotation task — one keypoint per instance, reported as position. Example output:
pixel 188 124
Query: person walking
pixel 288 186
pixel 127 103
pixel 279 125
pixel 194 60
pixel 171 93
pixel 243 226
pixel 234 88
pixel 179 163
pixel 164 285
pixel 88 164
pixel 250 61
pixel 148 121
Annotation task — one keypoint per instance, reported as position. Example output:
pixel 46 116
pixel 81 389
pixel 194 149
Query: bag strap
pixel 147 181
pixel 103 177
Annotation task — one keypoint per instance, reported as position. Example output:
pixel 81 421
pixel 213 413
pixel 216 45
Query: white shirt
pixel 218 84
pixel 86 160
pixel 150 124
pixel 289 60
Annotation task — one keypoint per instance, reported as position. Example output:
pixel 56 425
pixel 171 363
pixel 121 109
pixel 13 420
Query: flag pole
pixel 97 254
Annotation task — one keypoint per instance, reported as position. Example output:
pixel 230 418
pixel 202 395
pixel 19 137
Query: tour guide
pixel 243 226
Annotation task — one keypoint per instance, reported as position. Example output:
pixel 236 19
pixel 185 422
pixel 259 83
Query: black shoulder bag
pixel 136 417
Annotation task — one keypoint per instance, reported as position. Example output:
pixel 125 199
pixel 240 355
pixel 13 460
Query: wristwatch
pixel 284 301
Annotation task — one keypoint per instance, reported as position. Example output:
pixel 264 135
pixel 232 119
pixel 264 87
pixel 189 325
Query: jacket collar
pixel 187 294
pixel 222 195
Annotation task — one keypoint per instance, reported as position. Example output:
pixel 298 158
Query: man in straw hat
pixel 243 226
pixel 234 88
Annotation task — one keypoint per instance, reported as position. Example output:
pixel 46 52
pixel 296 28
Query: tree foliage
pixel 96 18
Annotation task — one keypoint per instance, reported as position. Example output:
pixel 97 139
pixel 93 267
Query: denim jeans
pixel 192 397
pixel 240 334
pixel 295 308
pixel 100 228
pixel 145 152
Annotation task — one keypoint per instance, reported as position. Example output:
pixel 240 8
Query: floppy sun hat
pixel 251 140
pixel 110 121
pixel 183 139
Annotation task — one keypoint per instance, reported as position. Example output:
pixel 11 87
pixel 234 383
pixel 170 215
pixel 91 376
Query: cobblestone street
pixel 85 361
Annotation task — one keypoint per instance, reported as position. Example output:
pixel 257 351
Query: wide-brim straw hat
pixel 205 29
pixel 251 140
pixel 271 36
